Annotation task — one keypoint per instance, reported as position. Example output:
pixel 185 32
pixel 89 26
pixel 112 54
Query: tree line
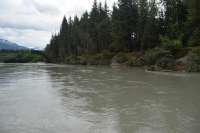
pixel 131 25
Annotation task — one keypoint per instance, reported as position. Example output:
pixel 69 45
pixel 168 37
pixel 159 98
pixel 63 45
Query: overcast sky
pixel 32 22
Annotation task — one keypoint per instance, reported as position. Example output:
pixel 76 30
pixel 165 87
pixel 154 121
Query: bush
pixel 106 55
pixel 167 63
pixel 103 58
pixel 181 53
pixel 153 55
pixel 130 59
pixel 192 67
pixel 27 56
pixel 171 45
pixel 82 60
pixel 121 58
pixel 136 62
pixel 106 58
pixel 195 38
pixel 193 62
pixel 22 57
pixel 94 59
pixel 72 59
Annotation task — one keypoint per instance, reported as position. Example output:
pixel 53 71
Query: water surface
pixel 47 98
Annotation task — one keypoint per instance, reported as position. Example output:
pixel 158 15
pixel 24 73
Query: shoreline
pixel 145 68
pixel 146 61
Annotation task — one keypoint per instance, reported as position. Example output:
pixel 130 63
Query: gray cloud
pixel 20 26
pixel 31 22
pixel 43 8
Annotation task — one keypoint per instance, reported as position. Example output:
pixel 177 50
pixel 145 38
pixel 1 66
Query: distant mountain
pixel 7 45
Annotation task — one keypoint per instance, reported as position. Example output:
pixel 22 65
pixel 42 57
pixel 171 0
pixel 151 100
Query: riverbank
pixel 157 59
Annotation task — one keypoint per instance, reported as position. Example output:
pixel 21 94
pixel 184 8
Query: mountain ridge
pixel 8 45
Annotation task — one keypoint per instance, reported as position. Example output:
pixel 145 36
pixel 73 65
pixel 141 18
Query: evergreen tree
pixel 86 40
pixel 194 22
pixel 133 25
pixel 63 39
pixel 94 16
pixel 104 28
pixel 175 17
pixel 124 22
pixel 52 50
pixel 148 27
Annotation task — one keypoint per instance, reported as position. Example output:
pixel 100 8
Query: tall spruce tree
pixel 175 17
pixel 104 28
pixel 94 17
pixel 194 22
pixel 63 39
pixel 148 24
pixel 132 25
pixel 124 22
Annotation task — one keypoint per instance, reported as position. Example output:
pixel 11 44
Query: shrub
pixel 106 55
pixel 98 59
pixel 153 55
pixel 192 67
pixel 193 62
pixel 171 45
pixel 27 56
pixel 195 38
pixel 136 62
pixel 94 59
pixel 181 53
pixel 121 57
pixel 167 63
pixel 71 59
pixel 82 60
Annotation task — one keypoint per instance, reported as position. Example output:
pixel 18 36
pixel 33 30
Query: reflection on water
pixel 47 98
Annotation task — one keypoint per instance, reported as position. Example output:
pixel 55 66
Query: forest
pixel 160 34
pixel 21 56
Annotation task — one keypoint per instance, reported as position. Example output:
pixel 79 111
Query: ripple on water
pixel 49 98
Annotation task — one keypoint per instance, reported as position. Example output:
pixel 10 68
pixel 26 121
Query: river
pixel 49 98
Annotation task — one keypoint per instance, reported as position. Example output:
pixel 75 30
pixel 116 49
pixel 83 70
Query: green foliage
pixel 140 26
pixel 167 63
pixel 161 58
pixel 175 17
pixel 179 53
pixel 193 9
pixel 21 56
pixel 107 55
pixel 121 57
pixel 193 23
pixel 124 23
pixel 29 56
pixel 136 62
pixel 147 26
pixel 131 26
pixel 130 59
pixel 195 38
pixel 95 59
pixel 193 64
pixel 171 45
pixel 72 59
pixel 103 58
pixel 153 55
